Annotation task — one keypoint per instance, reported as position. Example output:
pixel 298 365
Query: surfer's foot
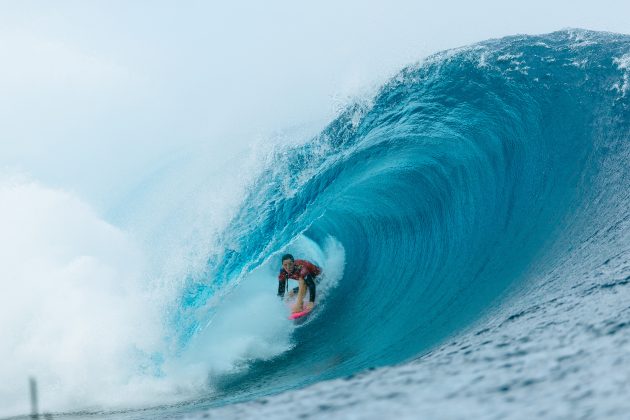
pixel 297 308
pixel 309 306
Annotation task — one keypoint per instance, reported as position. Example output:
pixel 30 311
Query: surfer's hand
pixel 309 305
pixel 291 293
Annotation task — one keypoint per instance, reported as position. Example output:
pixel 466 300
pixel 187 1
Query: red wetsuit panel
pixel 301 268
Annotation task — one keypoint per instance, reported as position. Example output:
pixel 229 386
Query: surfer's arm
pixel 300 297
pixel 282 284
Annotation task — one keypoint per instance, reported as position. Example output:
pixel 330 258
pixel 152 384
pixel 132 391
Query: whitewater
pixel 472 222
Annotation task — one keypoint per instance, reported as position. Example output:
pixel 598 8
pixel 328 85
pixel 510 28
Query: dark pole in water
pixel 34 410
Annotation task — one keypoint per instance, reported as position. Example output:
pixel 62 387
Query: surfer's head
pixel 287 262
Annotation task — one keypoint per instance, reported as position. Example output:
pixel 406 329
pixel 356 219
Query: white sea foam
pixel 82 315
pixel 510 57
pixel 75 313
pixel 623 64
pixel 251 323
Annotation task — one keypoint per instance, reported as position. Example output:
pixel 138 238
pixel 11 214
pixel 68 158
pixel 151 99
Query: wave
pixel 426 205
pixel 448 190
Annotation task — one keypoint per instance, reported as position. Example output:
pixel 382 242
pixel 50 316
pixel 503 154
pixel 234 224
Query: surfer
pixel 304 272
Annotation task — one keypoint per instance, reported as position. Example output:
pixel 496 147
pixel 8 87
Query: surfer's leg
pixel 298 307
pixel 311 287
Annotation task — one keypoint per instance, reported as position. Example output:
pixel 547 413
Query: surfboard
pixel 299 315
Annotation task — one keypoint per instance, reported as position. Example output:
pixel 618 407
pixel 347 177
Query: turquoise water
pixel 466 180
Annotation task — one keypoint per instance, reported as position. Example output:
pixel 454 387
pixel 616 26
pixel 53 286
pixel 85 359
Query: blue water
pixel 466 180
pixel 480 199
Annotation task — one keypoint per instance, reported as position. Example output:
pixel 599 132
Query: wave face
pixel 462 181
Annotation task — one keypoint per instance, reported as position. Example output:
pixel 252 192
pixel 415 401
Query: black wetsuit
pixel 310 283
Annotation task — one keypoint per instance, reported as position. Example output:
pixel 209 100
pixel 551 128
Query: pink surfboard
pixel 298 315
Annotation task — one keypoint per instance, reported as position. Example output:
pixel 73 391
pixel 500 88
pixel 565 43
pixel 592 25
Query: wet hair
pixel 287 257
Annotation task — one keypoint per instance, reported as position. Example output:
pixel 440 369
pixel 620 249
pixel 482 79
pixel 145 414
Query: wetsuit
pixel 301 268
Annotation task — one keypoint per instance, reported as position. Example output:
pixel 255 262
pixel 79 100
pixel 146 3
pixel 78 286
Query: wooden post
pixel 34 409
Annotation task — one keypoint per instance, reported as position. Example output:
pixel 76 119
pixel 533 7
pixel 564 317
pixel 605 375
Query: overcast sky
pixel 92 92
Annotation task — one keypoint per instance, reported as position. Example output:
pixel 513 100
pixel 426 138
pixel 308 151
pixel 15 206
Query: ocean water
pixel 472 220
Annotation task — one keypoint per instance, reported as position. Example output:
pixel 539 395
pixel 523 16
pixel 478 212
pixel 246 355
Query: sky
pixel 97 94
